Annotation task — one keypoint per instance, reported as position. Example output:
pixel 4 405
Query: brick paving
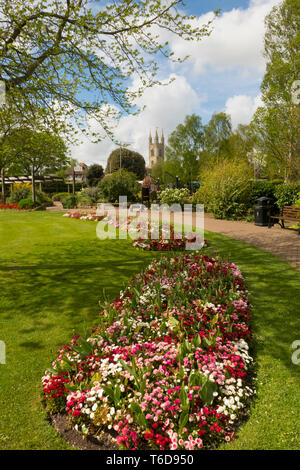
pixel 284 243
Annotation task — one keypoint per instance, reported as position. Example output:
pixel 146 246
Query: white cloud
pixel 224 69
pixel 166 106
pixel 236 41
pixel 241 108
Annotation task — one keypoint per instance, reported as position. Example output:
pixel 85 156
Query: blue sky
pixel 198 7
pixel 223 73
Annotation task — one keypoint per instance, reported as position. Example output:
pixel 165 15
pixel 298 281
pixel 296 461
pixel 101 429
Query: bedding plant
pixel 168 366
pixel 167 239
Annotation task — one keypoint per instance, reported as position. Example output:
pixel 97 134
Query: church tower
pixel 156 149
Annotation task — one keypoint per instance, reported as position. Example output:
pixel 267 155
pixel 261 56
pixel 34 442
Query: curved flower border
pixel 168 366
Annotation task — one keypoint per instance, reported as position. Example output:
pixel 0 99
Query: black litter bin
pixel 262 211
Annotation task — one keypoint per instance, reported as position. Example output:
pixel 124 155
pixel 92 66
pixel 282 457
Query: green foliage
pixel 42 196
pixel 277 124
pixel 69 202
pixel 55 50
pixel 225 190
pixel 83 199
pixel 173 196
pixel 130 161
pixel 27 203
pixel 92 192
pixel 21 191
pixel 59 196
pixel 184 146
pixel 119 183
pixel 297 202
pixel 263 188
pixel 94 175
pixel 286 194
pixel 216 136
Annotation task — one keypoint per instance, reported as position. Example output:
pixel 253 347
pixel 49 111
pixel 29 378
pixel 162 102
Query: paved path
pixel 284 243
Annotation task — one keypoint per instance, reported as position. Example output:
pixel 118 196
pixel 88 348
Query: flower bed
pixel 168 366
pixel 11 206
pixel 167 242
pixel 79 215
pixel 168 239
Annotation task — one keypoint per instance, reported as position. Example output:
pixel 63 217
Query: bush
pixel 90 192
pixel 226 189
pixel 83 199
pixel 173 196
pixel 27 203
pixel 286 194
pixel 119 184
pixel 20 191
pixel 69 202
pixel 297 202
pixel 262 189
pixel 42 197
pixel 59 196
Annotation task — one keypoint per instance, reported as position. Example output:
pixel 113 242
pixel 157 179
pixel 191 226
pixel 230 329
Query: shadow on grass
pixel 274 292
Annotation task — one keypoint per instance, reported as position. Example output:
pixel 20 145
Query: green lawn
pixel 54 270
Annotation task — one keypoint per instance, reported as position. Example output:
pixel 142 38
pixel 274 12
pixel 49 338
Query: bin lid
pixel 263 200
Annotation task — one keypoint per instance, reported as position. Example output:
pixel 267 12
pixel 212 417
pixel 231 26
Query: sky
pixel 223 73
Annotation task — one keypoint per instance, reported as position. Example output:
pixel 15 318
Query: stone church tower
pixel 156 149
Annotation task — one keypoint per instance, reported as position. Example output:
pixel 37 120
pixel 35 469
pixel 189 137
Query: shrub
pixel 69 202
pixel 42 197
pixel 83 199
pixel 173 196
pixel 59 196
pixel 20 191
pixel 262 189
pixel 27 203
pixel 297 202
pixel 119 184
pixel 88 195
pixel 225 189
pixel 286 194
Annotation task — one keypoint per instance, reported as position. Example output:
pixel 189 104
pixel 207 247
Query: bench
pixel 289 213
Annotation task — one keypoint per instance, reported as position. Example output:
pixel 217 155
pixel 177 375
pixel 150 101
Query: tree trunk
pixel 73 177
pixel 3 185
pixel 33 184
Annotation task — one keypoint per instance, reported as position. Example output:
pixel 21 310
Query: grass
pixel 53 271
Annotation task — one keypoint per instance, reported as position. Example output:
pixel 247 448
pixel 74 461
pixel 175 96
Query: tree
pixel 278 122
pixel 119 184
pixel 34 152
pixel 241 142
pixel 51 51
pixel 94 174
pixel 216 136
pixel 127 159
pixel 10 120
pixel 184 146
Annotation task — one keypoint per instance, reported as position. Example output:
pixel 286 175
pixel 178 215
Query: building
pixel 156 149
pixel 80 173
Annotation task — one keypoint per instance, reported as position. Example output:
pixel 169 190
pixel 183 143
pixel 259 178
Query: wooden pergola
pixel 28 179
